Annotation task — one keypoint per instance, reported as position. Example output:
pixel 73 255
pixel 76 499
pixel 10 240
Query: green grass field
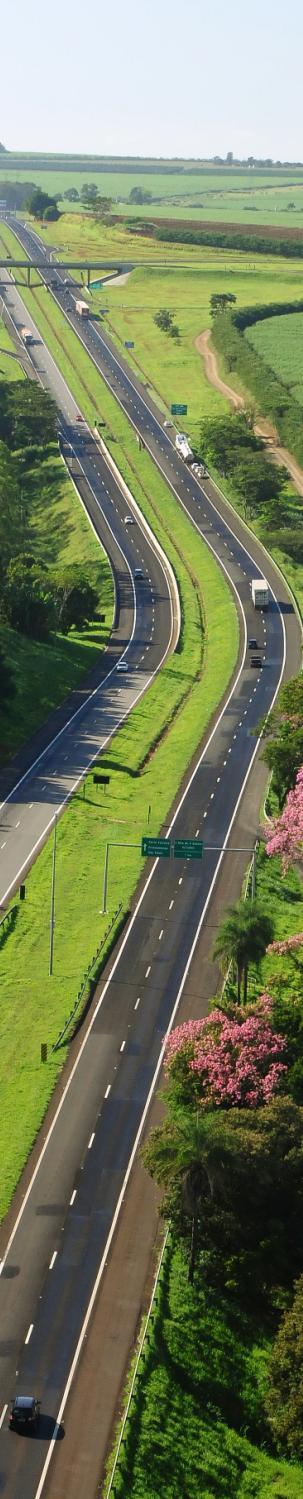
pixel 280 341
pixel 196 1425
pixel 269 197
pixel 10 367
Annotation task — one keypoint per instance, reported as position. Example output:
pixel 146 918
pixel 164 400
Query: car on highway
pixel 168 424
pixel 79 418
pixel 138 572
pixel 253 644
pixel 128 520
pixel 24 1412
pixel 122 666
pixel 256 661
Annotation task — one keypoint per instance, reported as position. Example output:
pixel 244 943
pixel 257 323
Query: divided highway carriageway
pixel 53 1259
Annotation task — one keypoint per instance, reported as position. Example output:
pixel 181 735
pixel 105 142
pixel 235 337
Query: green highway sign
pixel 157 848
pixel 188 848
pixel 178 410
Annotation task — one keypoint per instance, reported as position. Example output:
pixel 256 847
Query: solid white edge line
pixel 135 913
pixel 138 1138
pixel 3 1414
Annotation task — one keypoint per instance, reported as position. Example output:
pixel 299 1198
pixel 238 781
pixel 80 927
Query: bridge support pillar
pixel 88 275
pixel 28 275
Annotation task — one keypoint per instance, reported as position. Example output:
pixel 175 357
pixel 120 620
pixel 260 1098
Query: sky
pixel 153 77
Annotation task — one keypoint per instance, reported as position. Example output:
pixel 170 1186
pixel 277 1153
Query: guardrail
pixel 86 978
pixel 109 1490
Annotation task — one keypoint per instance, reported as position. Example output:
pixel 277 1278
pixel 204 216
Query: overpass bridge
pixel 10 263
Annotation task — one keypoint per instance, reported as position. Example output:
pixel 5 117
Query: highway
pixel 53 1260
pixel 147 628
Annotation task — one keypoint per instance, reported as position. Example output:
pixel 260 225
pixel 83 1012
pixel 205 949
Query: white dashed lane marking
pixel 54 1257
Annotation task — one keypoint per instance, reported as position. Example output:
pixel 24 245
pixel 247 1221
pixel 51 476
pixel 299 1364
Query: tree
pixel 72 195
pixel 244 1168
pixel 255 480
pixel 220 300
pixel 7 681
pixel 38 202
pixel 138 195
pixel 89 191
pixel 236 1057
pixel 101 207
pixel 51 213
pixel 77 600
pixel 28 415
pixel 27 599
pixel 284 1397
pixel 164 319
pixel 284 757
pixel 242 939
pixel 285 835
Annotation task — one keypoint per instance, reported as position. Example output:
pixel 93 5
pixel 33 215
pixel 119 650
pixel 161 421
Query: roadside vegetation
pixel 218 1399
pixel 50 630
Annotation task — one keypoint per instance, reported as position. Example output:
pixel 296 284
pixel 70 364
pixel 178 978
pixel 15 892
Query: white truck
pixel 259 593
pixel 82 308
pixel 26 335
pixel 182 446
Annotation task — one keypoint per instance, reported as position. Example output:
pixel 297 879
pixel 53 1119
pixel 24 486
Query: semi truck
pixel 183 448
pixel 259 593
pixel 26 335
pixel 82 308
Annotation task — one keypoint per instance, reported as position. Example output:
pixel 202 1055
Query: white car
pixel 128 520
pixel 122 666
pixel 168 424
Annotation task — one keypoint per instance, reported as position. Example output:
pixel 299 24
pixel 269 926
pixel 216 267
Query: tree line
pixel 35 599
pixel 224 239
pixel 274 398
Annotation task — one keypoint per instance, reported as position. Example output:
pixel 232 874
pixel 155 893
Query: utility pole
pixel 52 913
pixel 103 912
pixel 254 871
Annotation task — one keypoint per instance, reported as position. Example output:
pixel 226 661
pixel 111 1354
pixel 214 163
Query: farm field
pixel 280 342
pixel 275 197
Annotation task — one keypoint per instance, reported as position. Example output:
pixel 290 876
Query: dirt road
pixel 262 428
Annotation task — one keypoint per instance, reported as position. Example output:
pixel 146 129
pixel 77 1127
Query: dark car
pixel 252 644
pixel 256 661
pixel 24 1411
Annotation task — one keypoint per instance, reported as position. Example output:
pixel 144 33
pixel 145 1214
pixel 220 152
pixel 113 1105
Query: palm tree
pixel 184 1153
pixel 242 939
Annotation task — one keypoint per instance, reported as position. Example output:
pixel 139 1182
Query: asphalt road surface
pixel 59 1244
pixel 146 626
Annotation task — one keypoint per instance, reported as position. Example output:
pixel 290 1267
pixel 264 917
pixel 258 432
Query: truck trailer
pixel 82 308
pixel 259 593
pixel 183 448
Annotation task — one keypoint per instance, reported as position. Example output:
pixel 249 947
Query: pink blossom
pixel 288 944
pixel 235 1057
pixel 285 835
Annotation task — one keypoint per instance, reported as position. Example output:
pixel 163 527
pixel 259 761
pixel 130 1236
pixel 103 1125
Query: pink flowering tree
pixel 289 945
pixel 235 1059
pixel 285 836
